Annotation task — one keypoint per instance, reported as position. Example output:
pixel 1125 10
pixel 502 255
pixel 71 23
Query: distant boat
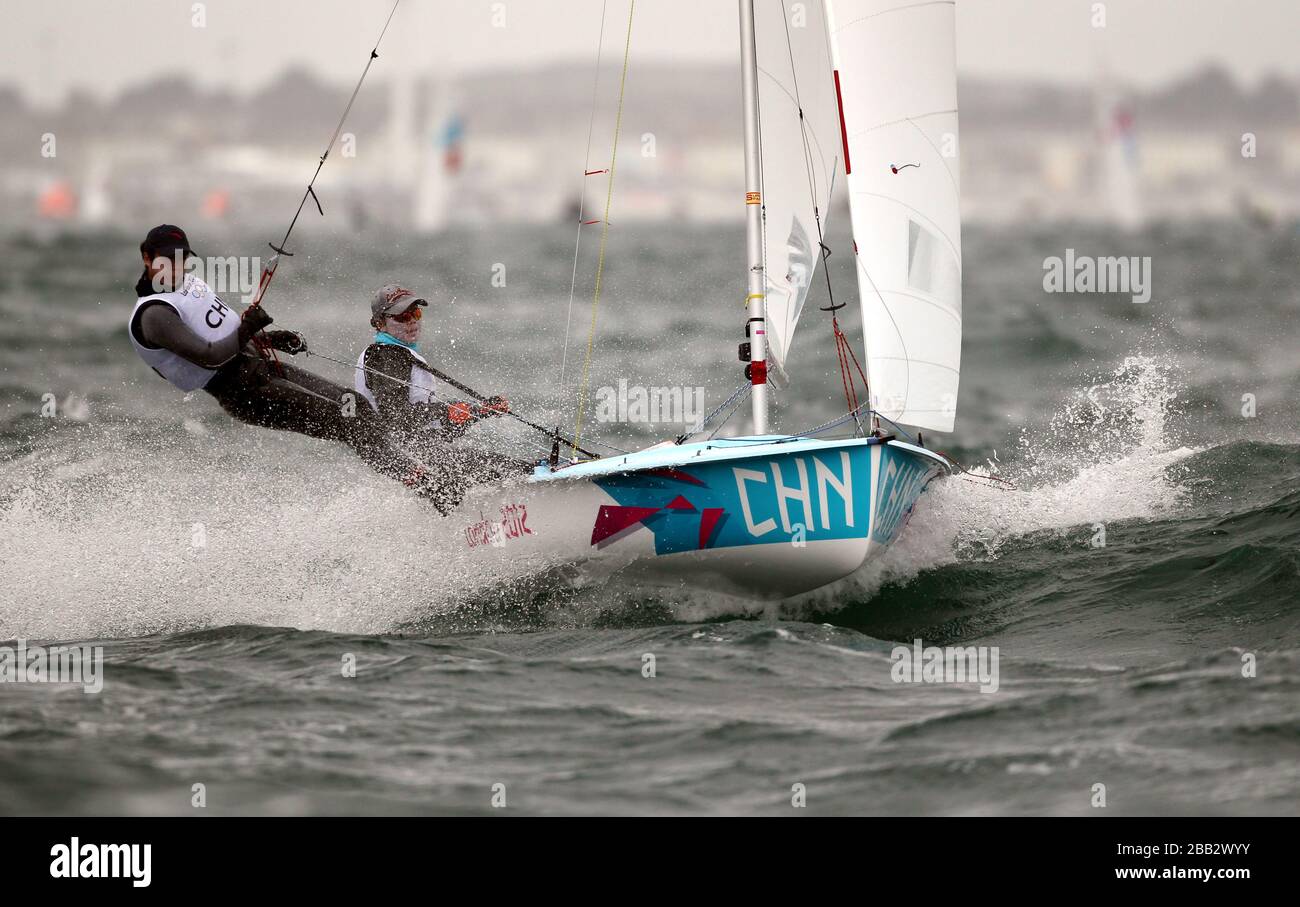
pixel 96 205
pixel 57 202
pixel 215 205
pixel 440 160
pixel 1120 170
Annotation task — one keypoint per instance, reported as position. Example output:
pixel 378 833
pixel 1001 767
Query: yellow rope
pixel 604 233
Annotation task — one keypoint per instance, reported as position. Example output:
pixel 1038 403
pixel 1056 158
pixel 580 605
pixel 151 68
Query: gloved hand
pixel 494 406
pixel 459 413
pixel 290 342
pixel 253 320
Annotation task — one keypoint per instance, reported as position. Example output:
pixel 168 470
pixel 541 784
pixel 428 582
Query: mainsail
pixel 799 158
pixel 895 71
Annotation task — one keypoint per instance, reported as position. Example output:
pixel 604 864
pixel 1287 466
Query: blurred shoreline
pixel 424 154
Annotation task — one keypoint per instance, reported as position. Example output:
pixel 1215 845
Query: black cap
pixel 166 239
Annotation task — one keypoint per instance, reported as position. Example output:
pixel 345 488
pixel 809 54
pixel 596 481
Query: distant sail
pixel 441 156
pixel 896 75
pixel 1117 141
pixel 57 201
pixel 794 69
pixel 96 205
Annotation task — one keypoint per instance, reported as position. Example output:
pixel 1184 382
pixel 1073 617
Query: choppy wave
pixel 114 530
pixel 228 569
pixel 739 712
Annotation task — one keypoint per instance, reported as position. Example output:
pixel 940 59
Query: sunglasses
pixel 411 314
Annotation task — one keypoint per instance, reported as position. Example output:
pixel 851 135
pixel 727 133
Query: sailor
pixel 397 381
pixel 195 340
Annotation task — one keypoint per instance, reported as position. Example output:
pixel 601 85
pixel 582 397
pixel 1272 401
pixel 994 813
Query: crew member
pixel 398 383
pixel 195 340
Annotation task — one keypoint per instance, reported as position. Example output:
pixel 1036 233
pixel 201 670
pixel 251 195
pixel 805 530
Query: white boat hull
pixel 764 518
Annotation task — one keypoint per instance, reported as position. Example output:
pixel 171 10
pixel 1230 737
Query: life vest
pixel 419 382
pixel 203 313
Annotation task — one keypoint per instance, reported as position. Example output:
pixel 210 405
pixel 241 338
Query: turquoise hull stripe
pixel 786 497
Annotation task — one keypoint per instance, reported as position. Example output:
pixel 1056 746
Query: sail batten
pixel 895 73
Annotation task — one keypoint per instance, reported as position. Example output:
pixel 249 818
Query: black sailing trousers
pixel 289 398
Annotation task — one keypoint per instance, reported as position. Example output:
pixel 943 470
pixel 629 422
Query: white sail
pixel 439 159
pixel 895 63
pixel 799 162
pixel 1122 200
pixel 96 205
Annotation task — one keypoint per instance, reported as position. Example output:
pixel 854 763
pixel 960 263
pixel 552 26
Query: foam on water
pixel 1102 458
pixel 111 531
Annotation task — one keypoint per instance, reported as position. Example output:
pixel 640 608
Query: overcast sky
pixel 48 47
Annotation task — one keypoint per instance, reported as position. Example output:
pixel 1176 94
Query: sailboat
pixel 441 158
pixel 865 89
pixel 1118 150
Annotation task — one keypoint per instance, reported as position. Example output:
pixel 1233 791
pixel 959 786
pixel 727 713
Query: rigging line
pixel 582 195
pixel 853 415
pixel 374 55
pixel 823 251
pixel 838 420
pixel 306 390
pixel 898 428
pixel 1005 484
pixel 604 231
pixel 701 423
pixel 866 385
pixel 311 393
pixel 456 384
pixel 747 387
pixel 850 393
pixel 809 168
pixel 848 350
pixel 803 128
pixel 268 270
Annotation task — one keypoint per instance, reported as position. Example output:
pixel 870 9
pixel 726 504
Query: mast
pixel 755 300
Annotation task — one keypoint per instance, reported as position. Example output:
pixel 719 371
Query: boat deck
pixel 669 455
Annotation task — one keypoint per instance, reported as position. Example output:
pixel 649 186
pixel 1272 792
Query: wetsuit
pixel 197 345
pixel 395 379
